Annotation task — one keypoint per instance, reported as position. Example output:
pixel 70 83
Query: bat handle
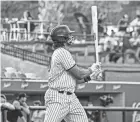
pixel 97 51
pixel 96 48
pixel 97 58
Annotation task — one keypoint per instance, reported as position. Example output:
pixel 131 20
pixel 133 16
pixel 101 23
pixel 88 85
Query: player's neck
pixel 66 46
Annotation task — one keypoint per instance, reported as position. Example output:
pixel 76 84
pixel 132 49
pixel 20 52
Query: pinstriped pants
pixel 62 106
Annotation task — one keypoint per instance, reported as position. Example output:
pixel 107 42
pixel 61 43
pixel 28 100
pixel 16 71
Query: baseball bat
pixel 95 33
pixel 95 30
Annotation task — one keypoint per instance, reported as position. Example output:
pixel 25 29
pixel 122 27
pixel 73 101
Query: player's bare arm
pixel 21 106
pixel 17 105
pixel 25 108
pixel 8 106
pixel 79 73
pixel 82 74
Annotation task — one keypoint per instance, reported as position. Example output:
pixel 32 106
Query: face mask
pixel 71 40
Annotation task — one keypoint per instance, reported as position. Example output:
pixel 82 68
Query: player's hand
pixel 95 66
pixel 96 75
pixel 24 104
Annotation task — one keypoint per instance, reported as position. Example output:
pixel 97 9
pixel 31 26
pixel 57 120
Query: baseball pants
pixel 62 106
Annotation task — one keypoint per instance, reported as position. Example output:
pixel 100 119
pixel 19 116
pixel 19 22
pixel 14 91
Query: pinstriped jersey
pixel 59 77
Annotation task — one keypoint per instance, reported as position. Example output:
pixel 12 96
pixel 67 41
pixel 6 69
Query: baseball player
pixel 20 105
pixel 60 99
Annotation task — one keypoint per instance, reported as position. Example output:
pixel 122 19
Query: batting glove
pixel 96 75
pixel 95 66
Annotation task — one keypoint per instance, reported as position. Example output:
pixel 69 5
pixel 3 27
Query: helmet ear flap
pixel 54 38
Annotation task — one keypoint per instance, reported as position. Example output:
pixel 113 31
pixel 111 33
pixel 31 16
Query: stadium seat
pixel 21 75
pixel 4 34
pixel 10 75
pixel 10 70
pixel 13 29
pixel 31 75
pixel 21 32
pixel 3 73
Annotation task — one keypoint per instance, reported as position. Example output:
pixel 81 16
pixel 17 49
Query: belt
pixel 62 92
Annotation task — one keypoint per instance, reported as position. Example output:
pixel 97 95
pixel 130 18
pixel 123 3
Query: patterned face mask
pixel 71 40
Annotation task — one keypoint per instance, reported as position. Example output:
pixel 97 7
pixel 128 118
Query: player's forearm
pixel 26 110
pixel 123 26
pixel 82 73
pixel 80 81
pixel 9 106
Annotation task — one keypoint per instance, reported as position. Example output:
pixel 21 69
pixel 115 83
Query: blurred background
pixel 26 47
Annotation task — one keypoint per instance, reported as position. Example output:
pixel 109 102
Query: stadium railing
pixel 25 54
pixel 40 58
pixel 87 108
pixel 95 108
pixel 42 32
pixel 51 24
pixel 98 108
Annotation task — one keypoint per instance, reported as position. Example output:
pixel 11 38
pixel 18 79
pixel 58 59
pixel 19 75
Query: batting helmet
pixel 60 33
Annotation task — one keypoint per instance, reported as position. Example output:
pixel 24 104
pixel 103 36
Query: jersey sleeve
pixel 66 59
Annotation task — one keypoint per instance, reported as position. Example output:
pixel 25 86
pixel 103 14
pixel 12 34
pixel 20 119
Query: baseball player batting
pixel 60 99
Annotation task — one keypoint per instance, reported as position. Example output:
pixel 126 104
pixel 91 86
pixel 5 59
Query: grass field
pixel 42 71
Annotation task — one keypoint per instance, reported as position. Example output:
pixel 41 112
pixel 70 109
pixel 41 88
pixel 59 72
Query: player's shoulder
pixel 16 102
pixel 61 51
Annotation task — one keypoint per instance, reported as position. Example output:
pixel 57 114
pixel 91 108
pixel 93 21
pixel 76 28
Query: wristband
pixel 87 78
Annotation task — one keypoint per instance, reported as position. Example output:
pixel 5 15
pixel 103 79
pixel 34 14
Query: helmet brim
pixel 61 30
pixel 71 31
